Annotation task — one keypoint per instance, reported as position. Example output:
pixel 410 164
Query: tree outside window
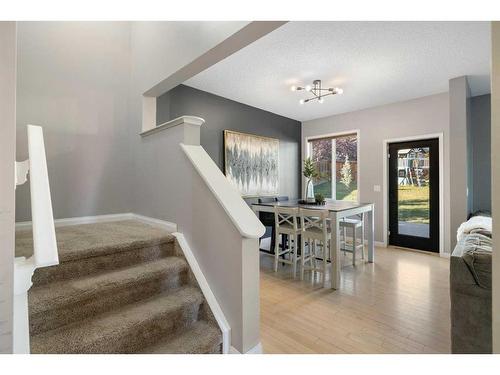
pixel 338 179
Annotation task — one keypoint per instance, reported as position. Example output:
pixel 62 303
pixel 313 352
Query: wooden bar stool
pixel 353 226
pixel 314 228
pixel 286 223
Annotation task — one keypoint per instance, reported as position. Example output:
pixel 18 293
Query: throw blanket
pixel 477 256
pixel 476 224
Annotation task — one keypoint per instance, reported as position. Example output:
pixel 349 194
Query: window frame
pixel 356 132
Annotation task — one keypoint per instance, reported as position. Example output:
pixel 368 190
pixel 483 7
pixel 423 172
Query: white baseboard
pixel 376 243
pixel 207 292
pixel 81 220
pixel 170 227
pixel 257 349
pixel 167 225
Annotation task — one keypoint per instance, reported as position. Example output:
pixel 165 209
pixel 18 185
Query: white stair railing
pixel 44 236
pixel 215 222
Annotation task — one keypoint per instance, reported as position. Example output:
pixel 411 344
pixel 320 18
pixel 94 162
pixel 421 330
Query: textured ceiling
pixel 375 63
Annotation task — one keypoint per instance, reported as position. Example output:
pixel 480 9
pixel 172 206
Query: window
pixel 339 179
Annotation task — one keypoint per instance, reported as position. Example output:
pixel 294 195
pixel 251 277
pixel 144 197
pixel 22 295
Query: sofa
pixel 470 290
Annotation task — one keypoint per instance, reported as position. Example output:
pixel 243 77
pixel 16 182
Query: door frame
pixel 430 243
pixel 385 183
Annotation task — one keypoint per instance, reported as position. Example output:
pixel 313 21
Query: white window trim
pixel 333 135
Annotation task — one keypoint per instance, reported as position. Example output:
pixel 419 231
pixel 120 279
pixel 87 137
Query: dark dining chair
pixel 267 219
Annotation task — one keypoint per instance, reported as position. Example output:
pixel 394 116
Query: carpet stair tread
pixel 91 240
pixel 120 287
pixel 201 338
pixel 58 294
pixel 119 330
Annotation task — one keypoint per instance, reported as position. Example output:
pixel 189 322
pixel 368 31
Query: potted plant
pixel 320 198
pixel 310 173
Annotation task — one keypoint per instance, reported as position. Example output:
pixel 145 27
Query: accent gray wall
pixel 221 113
pixel 74 81
pixel 7 158
pixel 481 151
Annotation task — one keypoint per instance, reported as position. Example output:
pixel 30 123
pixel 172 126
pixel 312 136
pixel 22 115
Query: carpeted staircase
pixel 120 287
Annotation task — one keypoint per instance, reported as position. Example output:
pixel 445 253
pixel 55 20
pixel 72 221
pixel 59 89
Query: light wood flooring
pixel 399 304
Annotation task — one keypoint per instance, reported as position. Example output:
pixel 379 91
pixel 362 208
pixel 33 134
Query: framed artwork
pixel 251 163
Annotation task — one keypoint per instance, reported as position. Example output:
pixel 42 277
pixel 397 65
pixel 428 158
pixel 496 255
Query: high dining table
pixel 338 210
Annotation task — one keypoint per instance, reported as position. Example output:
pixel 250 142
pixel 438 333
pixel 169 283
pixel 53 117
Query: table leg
pixel 272 248
pixel 335 251
pixel 371 235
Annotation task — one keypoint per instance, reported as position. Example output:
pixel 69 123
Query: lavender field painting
pixel 252 163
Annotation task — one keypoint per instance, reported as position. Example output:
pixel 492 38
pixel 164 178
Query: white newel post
pixel 44 237
pixel 23 271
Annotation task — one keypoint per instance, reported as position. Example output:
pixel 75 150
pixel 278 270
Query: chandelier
pixel 318 92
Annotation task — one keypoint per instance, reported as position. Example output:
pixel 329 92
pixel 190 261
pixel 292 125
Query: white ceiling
pixel 375 63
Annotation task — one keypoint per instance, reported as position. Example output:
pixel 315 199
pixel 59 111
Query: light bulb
pixel 308 88
pixel 339 91
pixel 293 88
pixel 321 100
pixel 301 101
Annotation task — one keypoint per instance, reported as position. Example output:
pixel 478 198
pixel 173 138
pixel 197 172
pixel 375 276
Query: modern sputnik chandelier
pixel 318 92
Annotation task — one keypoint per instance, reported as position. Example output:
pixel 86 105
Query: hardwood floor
pixel 399 304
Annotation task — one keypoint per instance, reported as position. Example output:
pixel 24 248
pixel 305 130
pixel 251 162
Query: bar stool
pixel 353 225
pixel 286 223
pixel 315 227
pixel 283 198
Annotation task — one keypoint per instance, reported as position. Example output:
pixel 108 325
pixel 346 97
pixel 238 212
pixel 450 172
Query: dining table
pixel 337 211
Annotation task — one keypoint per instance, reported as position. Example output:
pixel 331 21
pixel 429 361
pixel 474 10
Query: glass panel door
pixel 413 194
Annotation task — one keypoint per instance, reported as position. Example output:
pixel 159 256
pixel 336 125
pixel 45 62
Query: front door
pixel 414 194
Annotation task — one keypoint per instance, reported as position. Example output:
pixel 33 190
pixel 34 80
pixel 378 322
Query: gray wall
pixel 171 189
pixel 74 81
pixel 445 113
pixel 495 177
pixel 158 49
pixel 470 154
pixel 7 157
pixel 83 82
pixel 460 178
pixel 481 151
pixel 220 113
pixel 427 115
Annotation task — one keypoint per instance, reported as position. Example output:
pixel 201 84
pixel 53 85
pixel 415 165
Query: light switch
pixel 376 188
